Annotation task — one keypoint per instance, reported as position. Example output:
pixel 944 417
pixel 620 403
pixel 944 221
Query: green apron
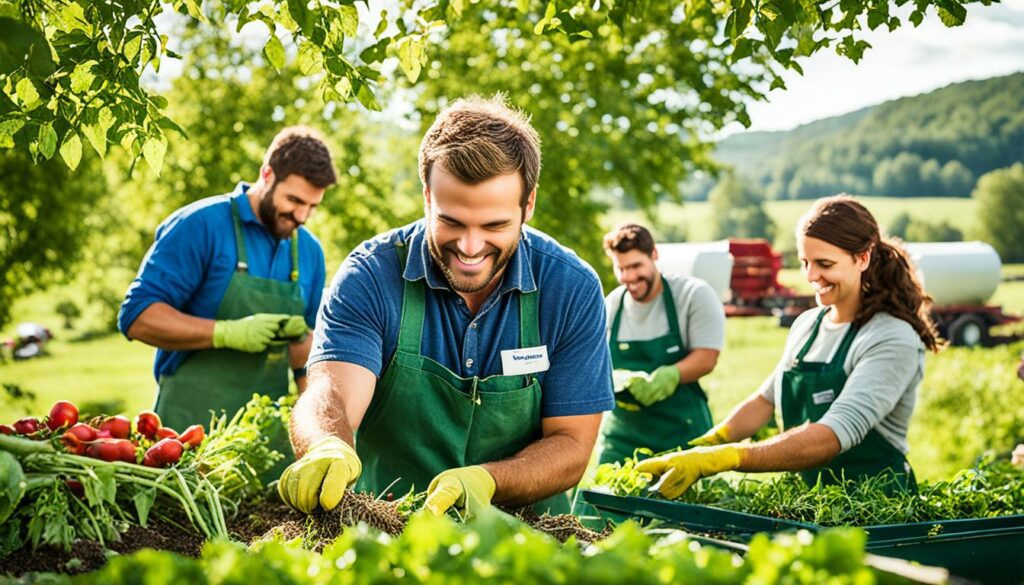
pixel 662 426
pixel 809 389
pixel 225 379
pixel 424 418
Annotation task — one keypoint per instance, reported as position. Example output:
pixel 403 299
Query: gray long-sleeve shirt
pixel 884 366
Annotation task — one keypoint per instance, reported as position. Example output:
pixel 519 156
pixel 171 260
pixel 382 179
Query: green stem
pixel 22 447
pixel 91 519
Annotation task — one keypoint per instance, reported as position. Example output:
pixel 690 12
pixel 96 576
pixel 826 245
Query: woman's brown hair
pixel 889 283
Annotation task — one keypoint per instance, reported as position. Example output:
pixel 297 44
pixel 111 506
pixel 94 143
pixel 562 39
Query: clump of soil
pixel 321 527
pixel 561 527
pixel 88 555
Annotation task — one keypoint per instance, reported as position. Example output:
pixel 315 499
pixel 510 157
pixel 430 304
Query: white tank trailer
pixel 961 277
pixel 708 261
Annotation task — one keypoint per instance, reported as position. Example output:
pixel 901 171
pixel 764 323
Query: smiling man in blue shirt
pixel 232 284
pixel 463 354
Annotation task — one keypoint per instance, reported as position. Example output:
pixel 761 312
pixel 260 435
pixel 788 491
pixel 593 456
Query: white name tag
pixel 672 349
pixel 529 360
pixel 823 397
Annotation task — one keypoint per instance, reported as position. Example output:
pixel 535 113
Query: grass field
pixel 694 218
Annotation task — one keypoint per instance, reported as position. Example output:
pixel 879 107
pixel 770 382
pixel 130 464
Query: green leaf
pixel 12 484
pixel 144 503
pixel 302 16
pixel 71 150
pixel 274 52
pixel 743 49
pixel 47 141
pixel 365 96
pixel 132 46
pixel 309 59
pixel 99 484
pixel 409 57
pixel 27 94
pixel 952 12
pixel 82 77
pixel 349 20
pixel 195 10
pixel 97 137
pixel 8 128
pixel 153 151
pixel 778 83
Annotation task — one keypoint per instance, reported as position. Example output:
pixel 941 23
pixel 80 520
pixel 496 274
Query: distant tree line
pixel 937 144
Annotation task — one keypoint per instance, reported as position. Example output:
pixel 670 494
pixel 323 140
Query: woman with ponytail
pixel 848 377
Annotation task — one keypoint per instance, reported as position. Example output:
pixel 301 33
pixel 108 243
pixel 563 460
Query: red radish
pixel 77 438
pixel 7 430
pixel 83 431
pixel 104 435
pixel 118 426
pixel 147 423
pixel 26 426
pixel 166 433
pixel 62 414
pixel 192 436
pixel 165 452
pixel 111 450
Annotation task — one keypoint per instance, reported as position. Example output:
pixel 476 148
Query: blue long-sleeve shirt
pixel 193 258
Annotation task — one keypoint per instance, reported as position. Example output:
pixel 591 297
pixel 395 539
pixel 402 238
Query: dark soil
pixel 321 528
pixel 561 527
pixel 87 555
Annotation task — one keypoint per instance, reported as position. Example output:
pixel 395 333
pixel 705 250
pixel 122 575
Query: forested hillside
pixel 935 144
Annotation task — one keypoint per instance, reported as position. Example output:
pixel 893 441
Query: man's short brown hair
pixel 629 236
pixel 476 139
pixel 300 150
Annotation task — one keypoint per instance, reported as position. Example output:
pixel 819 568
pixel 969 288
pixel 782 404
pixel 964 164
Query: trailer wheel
pixel 968 331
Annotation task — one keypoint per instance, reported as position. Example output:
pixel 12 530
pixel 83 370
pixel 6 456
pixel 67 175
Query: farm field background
pixel 972 389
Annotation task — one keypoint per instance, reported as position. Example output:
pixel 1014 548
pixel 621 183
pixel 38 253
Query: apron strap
pixel 529 326
pixel 670 311
pixel 814 335
pixel 294 276
pixel 410 334
pixel 614 334
pixel 243 264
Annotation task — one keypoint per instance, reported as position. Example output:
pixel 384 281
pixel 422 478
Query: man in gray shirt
pixel 665 333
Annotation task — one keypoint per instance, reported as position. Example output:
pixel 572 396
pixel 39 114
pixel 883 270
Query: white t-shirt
pixel 700 314
pixel 884 366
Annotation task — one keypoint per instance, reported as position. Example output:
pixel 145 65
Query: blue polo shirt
pixel 360 318
pixel 194 256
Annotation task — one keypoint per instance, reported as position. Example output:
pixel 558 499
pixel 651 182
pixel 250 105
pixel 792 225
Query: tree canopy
pixel 73 70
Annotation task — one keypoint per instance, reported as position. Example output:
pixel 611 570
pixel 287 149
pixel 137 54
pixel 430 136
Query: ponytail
pixel 890 284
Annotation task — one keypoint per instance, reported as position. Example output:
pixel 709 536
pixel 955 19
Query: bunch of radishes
pixel 112 438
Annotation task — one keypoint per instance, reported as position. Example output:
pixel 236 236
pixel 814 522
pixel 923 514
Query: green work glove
pixel 293 327
pixel 251 334
pixel 320 476
pixel 658 386
pixel 623 379
pixel 678 471
pixel 717 435
pixel 467 488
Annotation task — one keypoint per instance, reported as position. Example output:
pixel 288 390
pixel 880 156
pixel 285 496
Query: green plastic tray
pixel 989 550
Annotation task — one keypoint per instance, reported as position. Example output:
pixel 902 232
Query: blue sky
pixel 906 62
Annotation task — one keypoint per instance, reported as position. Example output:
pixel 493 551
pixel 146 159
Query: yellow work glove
pixel 717 435
pixel 467 488
pixel 623 379
pixel 293 327
pixel 251 334
pixel 678 471
pixel 320 476
pixel 658 386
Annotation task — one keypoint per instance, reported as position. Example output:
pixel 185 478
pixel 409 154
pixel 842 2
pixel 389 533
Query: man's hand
pixel 623 379
pixel 293 327
pixel 1018 456
pixel 251 334
pixel 661 384
pixel 678 471
pixel 467 488
pixel 320 476
pixel 717 435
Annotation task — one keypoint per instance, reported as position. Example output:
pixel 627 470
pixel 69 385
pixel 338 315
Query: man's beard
pixel 647 291
pixel 270 217
pixel 461 284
